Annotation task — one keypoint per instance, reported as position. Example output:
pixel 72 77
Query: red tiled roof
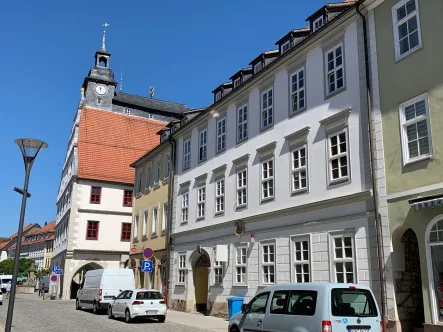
pixel 24 243
pixel 49 228
pixel 4 243
pixel 26 228
pixel 109 142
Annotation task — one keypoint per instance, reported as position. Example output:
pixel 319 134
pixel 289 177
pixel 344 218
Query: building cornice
pixel 118 213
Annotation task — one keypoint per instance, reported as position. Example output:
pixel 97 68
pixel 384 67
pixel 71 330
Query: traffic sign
pixel 147 266
pixel 59 272
pixel 54 268
pixel 54 278
pixel 133 249
pixel 148 253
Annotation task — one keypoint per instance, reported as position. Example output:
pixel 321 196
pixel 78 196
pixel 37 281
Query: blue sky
pixel 184 48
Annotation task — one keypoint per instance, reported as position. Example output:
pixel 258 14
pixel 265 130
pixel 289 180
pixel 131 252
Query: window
pixel 202 145
pixel 181 268
pixel 334 70
pixel 415 129
pixel 318 23
pixel 218 96
pixel 218 272
pixel 126 232
pixel 167 165
pixel 436 233
pixel 165 216
pixel 92 230
pixel 298 90
pixel 242 188
pixel 267 181
pixel 344 259
pixel 242 123
pixel 338 156
pixel 257 67
pixel 221 134
pixel 154 220
pixel 278 303
pixel 285 47
pixel 201 199
pixel 185 207
pixel 236 82
pixel 302 303
pixel 187 154
pixel 145 223
pixel 157 171
pixel 299 170
pixel 127 198
pixel 240 265
pixel 96 194
pixel 220 196
pixel 301 261
pixel 268 263
pixel 258 304
pixel 136 223
pixel 148 176
pixel 138 181
pixel 347 302
pixel 267 118
pixel 406 21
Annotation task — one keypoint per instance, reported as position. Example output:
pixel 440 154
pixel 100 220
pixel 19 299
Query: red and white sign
pixel 148 253
pixel 133 249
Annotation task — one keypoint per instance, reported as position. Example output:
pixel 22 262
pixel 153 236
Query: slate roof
pixel 109 142
pixel 151 103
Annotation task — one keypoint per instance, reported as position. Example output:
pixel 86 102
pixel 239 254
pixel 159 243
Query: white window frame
pixel 316 24
pixel 396 24
pixel 218 272
pixel 221 135
pixel 404 124
pixel 338 156
pixel 242 188
pixel 237 82
pixel 186 154
pixel 148 178
pixel 167 165
pixel 268 265
pixel 202 145
pixel 165 212
pixel 242 123
pixel 218 96
pixel 269 109
pixel 181 269
pixel 301 262
pixel 257 67
pixel 301 168
pixel 185 207
pixel 343 260
pixel 267 180
pixel 220 195
pixel 335 69
pixel 136 224
pixel 241 264
pixel 145 222
pixel 157 170
pixel 297 91
pixel 154 223
pixel 285 47
pixel 201 203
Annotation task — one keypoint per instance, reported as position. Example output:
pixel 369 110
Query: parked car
pixel 314 307
pixel 1 298
pixel 139 303
pixel 4 279
pixel 101 287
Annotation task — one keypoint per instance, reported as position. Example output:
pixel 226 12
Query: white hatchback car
pixel 138 303
pixel 1 298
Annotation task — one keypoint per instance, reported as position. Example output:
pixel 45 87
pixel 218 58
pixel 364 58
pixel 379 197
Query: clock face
pixel 100 89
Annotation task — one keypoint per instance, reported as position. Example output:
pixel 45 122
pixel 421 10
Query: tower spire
pixel 104 36
pixel 121 80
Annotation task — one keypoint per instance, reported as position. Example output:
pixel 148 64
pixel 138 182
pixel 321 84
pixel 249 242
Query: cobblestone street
pixel 32 314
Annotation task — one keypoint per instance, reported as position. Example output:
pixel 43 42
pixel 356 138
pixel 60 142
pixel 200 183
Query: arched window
pixel 102 62
pixel 436 262
pixel 436 234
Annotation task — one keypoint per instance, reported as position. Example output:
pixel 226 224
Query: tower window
pixel 103 62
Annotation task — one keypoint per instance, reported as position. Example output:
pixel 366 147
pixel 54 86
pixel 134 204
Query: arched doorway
pixel 434 253
pixel 407 274
pixel 201 271
pixel 79 276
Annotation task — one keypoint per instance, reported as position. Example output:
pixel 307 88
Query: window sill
pixel 220 152
pixel 154 236
pixel 163 232
pixel 334 93
pixel 245 285
pixel 219 214
pixel 186 169
pixel 147 190
pixel 405 55
pixel 202 161
pixel 241 207
pixel 293 114
pixel 266 200
pixel 242 141
pixel 135 240
pixel 417 159
pixel 181 285
pixel 183 223
pixel 339 181
pixel 265 129
pixel 200 218
pixel 299 191
pixel 144 238
pixel 166 180
pixel 138 195
pixel 156 185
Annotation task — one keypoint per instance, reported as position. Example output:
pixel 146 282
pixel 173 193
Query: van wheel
pixel 110 315
pixel 161 319
pixel 128 318
pixel 77 305
pixel 95 309
pixel 234 329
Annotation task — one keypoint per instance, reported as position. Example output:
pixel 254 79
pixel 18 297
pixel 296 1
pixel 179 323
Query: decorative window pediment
pixel 220 171
pixel 201 178
pixel 267 150
pixel 298 137
pixel 241 162
pixel 336 121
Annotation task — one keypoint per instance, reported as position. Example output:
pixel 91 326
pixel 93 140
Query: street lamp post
pixel 30 148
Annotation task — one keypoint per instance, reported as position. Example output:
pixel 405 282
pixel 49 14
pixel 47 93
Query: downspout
pixel 170 210
pixel 378 227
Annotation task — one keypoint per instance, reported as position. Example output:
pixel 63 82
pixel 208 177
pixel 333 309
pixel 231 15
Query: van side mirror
pixel 244 308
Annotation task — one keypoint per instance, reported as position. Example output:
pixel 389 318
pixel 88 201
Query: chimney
pixel 46 223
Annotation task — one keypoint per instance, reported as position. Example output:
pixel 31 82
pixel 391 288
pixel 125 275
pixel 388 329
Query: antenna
pixel 151 90
pixel 121 79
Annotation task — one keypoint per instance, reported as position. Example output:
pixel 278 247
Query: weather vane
pixel 104 36
pixel 151 91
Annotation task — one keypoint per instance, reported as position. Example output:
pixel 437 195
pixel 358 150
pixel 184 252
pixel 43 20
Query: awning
pixel 427 202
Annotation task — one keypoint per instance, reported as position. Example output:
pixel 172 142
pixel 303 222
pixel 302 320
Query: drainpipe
pixel 170 210
pixel 378 226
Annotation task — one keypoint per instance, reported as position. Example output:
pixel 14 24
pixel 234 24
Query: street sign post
pixel 57 270
pixel 148 253
pixel 147 266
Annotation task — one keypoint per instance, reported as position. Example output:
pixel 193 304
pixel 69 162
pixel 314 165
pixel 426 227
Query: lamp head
pixel 30 147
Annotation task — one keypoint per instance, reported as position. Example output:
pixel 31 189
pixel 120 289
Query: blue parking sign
pixel 54 269
pixel 146 266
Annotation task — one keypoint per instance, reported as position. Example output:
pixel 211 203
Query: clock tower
pixel 99 85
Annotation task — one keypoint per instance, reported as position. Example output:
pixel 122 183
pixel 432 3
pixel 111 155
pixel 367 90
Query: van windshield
pixel 353 302
pixel 5 281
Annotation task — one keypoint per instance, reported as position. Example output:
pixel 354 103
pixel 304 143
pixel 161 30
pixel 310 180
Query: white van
pixel 4 279
pixel 101 287
pixel 314 307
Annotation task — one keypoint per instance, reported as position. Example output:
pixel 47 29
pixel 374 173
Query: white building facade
pixel 273 183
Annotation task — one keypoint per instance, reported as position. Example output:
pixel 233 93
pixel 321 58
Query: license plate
pixel 151 312
pixel 358 330
pixel 109 297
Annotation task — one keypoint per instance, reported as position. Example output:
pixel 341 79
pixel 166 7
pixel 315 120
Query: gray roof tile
pixel 153 104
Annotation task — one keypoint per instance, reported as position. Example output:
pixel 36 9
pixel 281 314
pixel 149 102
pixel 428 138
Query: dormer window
pixel 236 82
pixel 163 137
pixel 285 47
pixel 318 23
pixel 257 67
pixel 218 96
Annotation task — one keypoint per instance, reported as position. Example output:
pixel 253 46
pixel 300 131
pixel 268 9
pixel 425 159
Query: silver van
pixel 310 307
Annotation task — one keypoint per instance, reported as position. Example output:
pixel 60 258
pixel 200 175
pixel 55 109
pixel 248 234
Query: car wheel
pixel 161 319
pixel 110 315
pixel 94 309
pixel 235 329
pixel 77 305
pixel 128 318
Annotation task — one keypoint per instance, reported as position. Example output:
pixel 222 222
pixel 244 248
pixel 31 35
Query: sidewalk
pixel 197 320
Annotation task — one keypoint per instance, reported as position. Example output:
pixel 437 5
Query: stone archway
pixel 79 275
pixel 201 269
